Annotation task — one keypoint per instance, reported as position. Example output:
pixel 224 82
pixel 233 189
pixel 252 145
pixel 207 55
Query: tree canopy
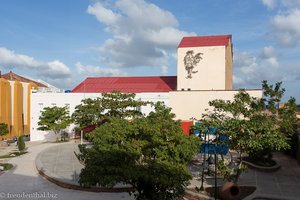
pixel 256 126
pixel 114 104
pixel 121 105
pixel 89 112
pixel 149 153
pixel 54 119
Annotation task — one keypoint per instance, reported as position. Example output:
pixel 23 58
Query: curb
pixel 190 195
pixel 267 197
pixel 261 168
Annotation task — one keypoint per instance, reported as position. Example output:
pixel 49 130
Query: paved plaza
pixel 24 179
pixel 59 162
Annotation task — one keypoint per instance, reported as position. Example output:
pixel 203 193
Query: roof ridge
pixel 203 41
pixel 15 77
pixel 128 84
pixel 126 76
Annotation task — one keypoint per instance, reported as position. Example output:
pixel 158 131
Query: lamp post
pixel 216 161
pixel 204 164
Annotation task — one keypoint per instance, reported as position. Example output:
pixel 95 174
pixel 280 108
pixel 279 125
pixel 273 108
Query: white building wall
pixel 211 69
pixel 192 104
pixel 41 100
pixel 25 104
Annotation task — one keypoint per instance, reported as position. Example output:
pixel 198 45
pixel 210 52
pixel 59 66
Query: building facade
pixel 204 73
pixel 15 104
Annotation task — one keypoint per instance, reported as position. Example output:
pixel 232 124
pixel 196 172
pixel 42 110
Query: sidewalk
pixel 282 184
pixel 60 163
pixel 7 149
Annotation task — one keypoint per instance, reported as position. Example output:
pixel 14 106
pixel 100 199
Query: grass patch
pixel 7 166
pixel 13 154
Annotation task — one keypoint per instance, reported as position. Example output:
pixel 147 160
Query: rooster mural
pixel 190 62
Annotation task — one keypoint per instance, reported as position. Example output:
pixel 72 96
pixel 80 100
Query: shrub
pixel 6 166
pixel 3 129
pixel 21 143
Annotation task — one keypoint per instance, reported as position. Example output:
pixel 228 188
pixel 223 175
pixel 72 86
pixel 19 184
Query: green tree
pixel 288 123
pixel 3 129
pixel 89 112
pixel 54 119
pixel 121 105
pixel 149 153
pixel 255 126
pixel 114 104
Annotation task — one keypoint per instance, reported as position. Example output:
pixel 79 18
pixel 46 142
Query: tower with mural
pixel 205 63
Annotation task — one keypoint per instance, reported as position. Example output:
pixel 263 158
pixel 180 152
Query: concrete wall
pixel 211 69
pixel 192 104
pixel 41 100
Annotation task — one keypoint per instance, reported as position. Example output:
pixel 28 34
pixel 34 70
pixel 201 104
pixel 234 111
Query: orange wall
pixel 11 107
pixel 17 128
pixel 5 103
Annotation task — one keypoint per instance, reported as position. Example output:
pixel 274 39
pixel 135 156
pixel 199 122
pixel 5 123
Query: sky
pixel 64 41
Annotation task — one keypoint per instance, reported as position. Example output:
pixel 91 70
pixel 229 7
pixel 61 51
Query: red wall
pixel 185 125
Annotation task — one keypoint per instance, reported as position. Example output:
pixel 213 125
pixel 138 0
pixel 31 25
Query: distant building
pixel 204 73
pixel 15 93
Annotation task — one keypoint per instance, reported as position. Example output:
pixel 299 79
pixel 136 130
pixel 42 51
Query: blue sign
pixel 197 132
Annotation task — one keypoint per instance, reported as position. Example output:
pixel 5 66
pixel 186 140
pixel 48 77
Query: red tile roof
pixel 202 41
pixel 128 84
pixel 15 77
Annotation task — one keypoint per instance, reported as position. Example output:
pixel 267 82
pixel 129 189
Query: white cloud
pixel 89 70
pixel 237 80
pixel 291 3
pixel 168 36
pixel 49 71
pixel 62 83
pixel 142 33
pixel 269 3
pixel 250 70
pixel 269 56
pixel 245 62
pixel 286 27
pixel 103 15
pixel 56 69
pixel 164 70
pixel 268 52
pixel 9 58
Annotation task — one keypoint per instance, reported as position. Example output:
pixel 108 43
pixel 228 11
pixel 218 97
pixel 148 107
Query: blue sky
pixel 64 41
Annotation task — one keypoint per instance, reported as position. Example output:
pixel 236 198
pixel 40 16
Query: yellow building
pixel 15 92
